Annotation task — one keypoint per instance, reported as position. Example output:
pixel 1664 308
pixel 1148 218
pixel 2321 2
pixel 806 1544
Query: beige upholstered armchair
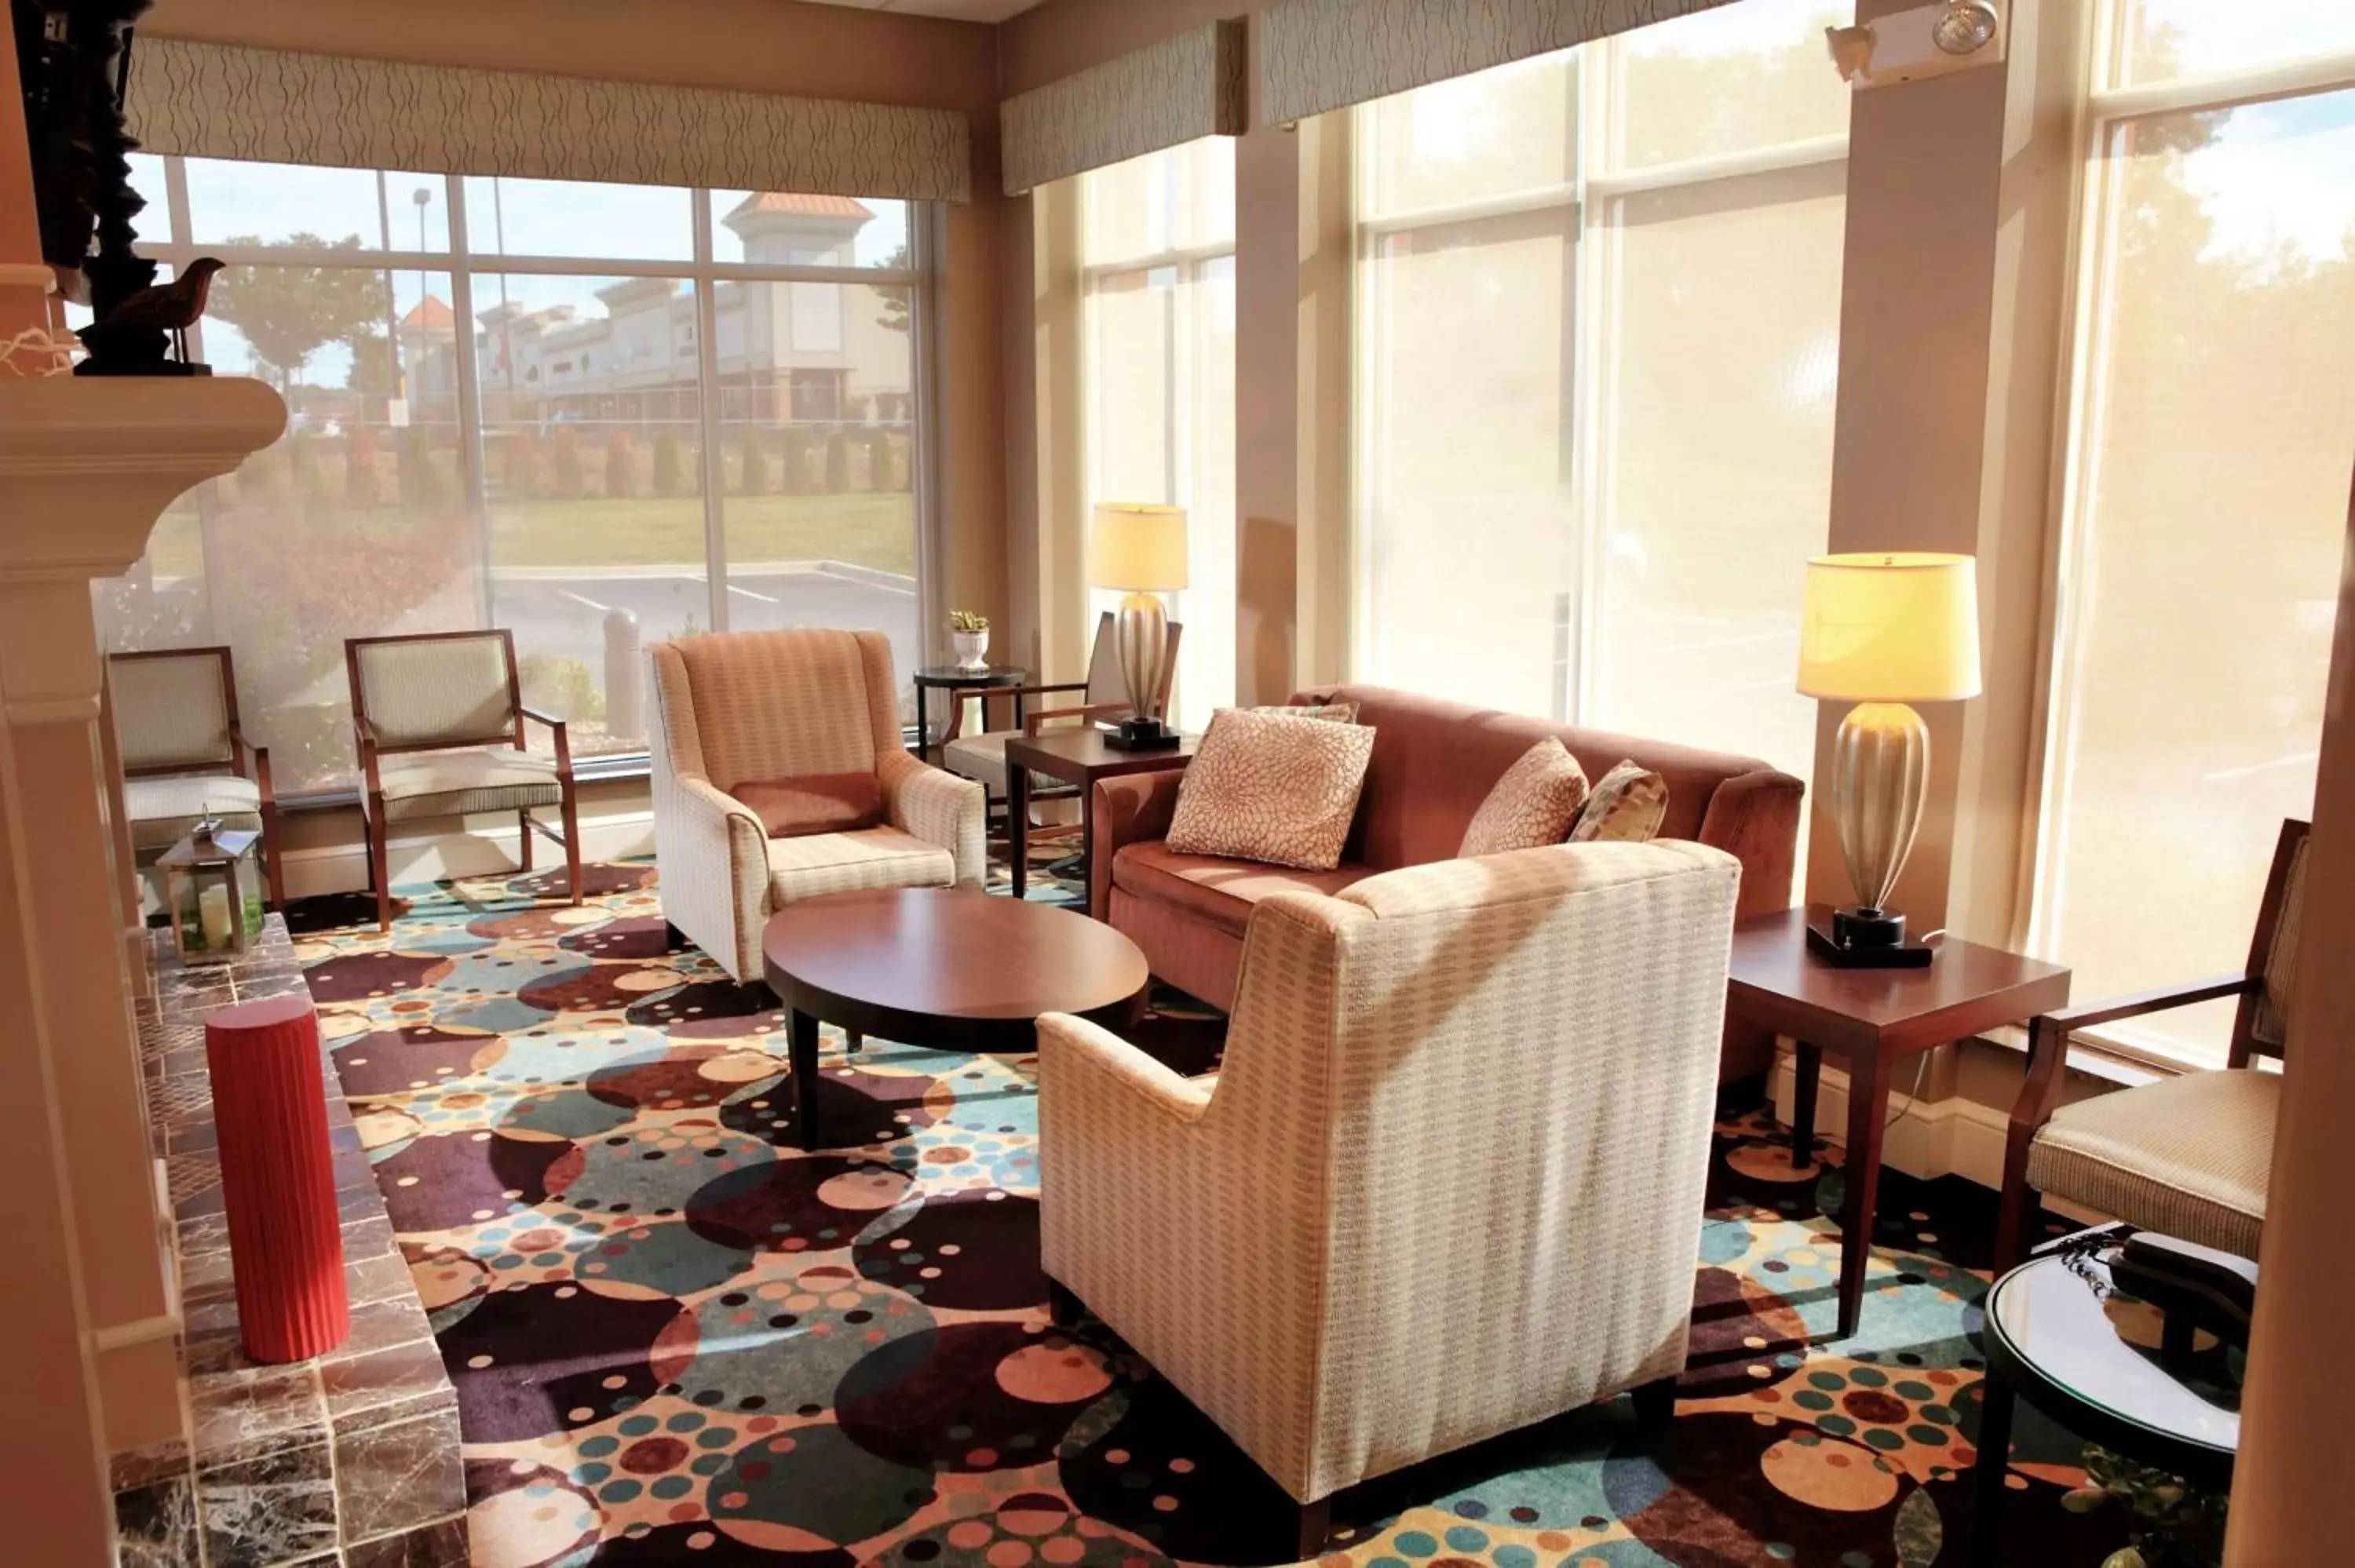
pixel 2188 1156
pixel 1499 1070
pixel 751 727
pixel 185 755
pixel 438 724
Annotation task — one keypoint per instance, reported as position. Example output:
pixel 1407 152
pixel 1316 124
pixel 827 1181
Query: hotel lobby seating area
pixel 1105 783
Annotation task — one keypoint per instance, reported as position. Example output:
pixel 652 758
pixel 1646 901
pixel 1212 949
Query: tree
pixel 571 478
pixel 894 295
pixel 838 463
pixel 754 473
pixel 619 463
pixel 671 477
pixel 372 374
pixel 288 313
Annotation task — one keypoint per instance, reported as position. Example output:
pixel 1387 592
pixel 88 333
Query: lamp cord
pixel 1921 1068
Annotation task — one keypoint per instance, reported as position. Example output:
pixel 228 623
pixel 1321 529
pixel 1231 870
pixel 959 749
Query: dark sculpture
pixel 73 59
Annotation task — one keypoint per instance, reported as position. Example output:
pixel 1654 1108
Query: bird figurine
pixel 171 307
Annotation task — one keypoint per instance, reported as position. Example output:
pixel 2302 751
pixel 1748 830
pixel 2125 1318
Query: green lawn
pixel 865 528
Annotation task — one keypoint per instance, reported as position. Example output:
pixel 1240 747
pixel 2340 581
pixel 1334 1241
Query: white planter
pixel 972 649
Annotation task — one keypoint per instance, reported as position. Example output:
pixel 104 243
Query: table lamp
pixel 1882 631
pixel 1141 550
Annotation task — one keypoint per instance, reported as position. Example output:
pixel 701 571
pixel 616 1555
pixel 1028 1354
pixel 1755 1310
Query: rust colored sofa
pixel 1434 763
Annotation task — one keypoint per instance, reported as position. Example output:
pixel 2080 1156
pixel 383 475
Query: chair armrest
pixel 957 697
pixel 563 738
pixel 259 757
pixel 1033 723
pixel 939 807
pixel 1133 808
pixel 1070 1047
pixel 2070 1020
pixel 364 741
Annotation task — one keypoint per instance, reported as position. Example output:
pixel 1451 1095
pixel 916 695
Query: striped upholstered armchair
pixel 438 723
pixel 779 775
pixel 1485 1082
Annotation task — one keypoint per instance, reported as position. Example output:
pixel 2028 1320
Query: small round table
pixel 950 677
pixel 2049 1339
pixel 950 969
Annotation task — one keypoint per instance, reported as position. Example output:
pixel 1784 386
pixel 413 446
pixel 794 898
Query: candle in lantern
pixel 213 911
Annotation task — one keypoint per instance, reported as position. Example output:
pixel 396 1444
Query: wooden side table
pixel 1872 1020
pixel 1079 757
pixel 954 678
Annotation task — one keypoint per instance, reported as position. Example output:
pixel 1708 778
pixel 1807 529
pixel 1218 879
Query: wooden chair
pixel 455 696
pixel 2188 1156
pixel 185 755
pixel 1104 698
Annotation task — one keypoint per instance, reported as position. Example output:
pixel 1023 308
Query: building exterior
pixel 788 353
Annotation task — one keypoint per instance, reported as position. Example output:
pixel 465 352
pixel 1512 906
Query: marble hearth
pixel 351 1460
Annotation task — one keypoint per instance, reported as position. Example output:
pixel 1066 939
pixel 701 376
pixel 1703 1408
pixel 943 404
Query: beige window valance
pixel 215 100
pixel 1178 90
pixel 1320 55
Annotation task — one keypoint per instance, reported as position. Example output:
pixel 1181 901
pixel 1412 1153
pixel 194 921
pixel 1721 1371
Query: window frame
pixel 703 272
pixel 1595 197
pixel 2088 284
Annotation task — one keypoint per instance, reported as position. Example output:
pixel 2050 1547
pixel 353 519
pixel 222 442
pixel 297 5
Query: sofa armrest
pixel 1070 1047
pixel 1131 809
pixel 939 807
pixel 1754 818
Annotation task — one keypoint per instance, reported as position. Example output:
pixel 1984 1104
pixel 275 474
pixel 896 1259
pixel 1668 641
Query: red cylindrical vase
pixel 278 1178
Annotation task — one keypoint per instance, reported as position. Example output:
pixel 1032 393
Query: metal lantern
pixel 212 887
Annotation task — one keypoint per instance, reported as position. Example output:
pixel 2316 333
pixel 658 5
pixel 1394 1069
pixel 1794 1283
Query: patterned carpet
pixel 676 1340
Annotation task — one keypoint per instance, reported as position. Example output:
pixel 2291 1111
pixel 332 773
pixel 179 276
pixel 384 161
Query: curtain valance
pixel 216 100
pixel 1320 55
pixel 1178 90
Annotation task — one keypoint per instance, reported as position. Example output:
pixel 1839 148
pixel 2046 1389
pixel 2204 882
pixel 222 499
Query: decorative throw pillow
pixel 1269 788
pixel 815 804
pixel 1627 806
pixel 1332 713
pixel 1535 803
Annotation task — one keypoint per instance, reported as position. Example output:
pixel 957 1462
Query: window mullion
pixel 706 371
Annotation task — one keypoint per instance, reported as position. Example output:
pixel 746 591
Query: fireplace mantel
pixel 87 465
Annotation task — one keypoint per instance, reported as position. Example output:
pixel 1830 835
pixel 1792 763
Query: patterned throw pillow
pixel 1332 713
pixel 1272 789
pixel 1535 803
pixel 1627 806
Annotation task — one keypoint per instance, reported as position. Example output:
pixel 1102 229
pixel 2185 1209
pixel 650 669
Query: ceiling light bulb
pixel 1964 26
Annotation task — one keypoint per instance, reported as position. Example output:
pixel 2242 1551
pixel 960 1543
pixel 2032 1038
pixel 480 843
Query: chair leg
pixel 1063 1309
pixel 379 867
pixel 572 840
pixel 522 845
pixel 1316 1524
pixel 2016 1209
pixel 674 939
pixel 275 857
pixel 1655 1413
pixel 852 1040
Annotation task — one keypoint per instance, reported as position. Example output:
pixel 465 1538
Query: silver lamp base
pixel 1881 770
pixel 1140 638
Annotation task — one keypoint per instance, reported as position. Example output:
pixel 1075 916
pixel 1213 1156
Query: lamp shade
pixel 1139 548
pixel 1899 627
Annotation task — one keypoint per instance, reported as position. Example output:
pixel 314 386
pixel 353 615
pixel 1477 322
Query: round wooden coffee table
pixel 950 969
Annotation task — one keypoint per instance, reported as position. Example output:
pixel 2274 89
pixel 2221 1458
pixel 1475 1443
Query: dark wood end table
pixel 953 969
pixel 1078 756
pixel 953 678
pixel 1873 1020
pixel 2050 1340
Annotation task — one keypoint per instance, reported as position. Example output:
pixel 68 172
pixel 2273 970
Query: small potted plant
pixel 970 634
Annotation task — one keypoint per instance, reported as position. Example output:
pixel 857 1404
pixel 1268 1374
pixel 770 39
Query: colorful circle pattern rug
pixel 677 1339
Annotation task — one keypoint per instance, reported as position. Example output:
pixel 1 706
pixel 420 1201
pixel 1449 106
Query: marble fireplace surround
pixel 351 1459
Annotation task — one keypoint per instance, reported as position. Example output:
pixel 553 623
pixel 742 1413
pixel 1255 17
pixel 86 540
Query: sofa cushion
pixel 815 803
pixel 456 783
pixel 165 811
pixel 819 864
pixel 1220 891
pixel 1536 803
pixel 2133 1154
pixel 1274 789
pixel 1627 806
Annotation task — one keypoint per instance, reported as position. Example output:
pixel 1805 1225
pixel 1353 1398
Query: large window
pixel 595 415
pixel 1158 249
pixel 2212 428
pixel 1600 335
pixel 1599 307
